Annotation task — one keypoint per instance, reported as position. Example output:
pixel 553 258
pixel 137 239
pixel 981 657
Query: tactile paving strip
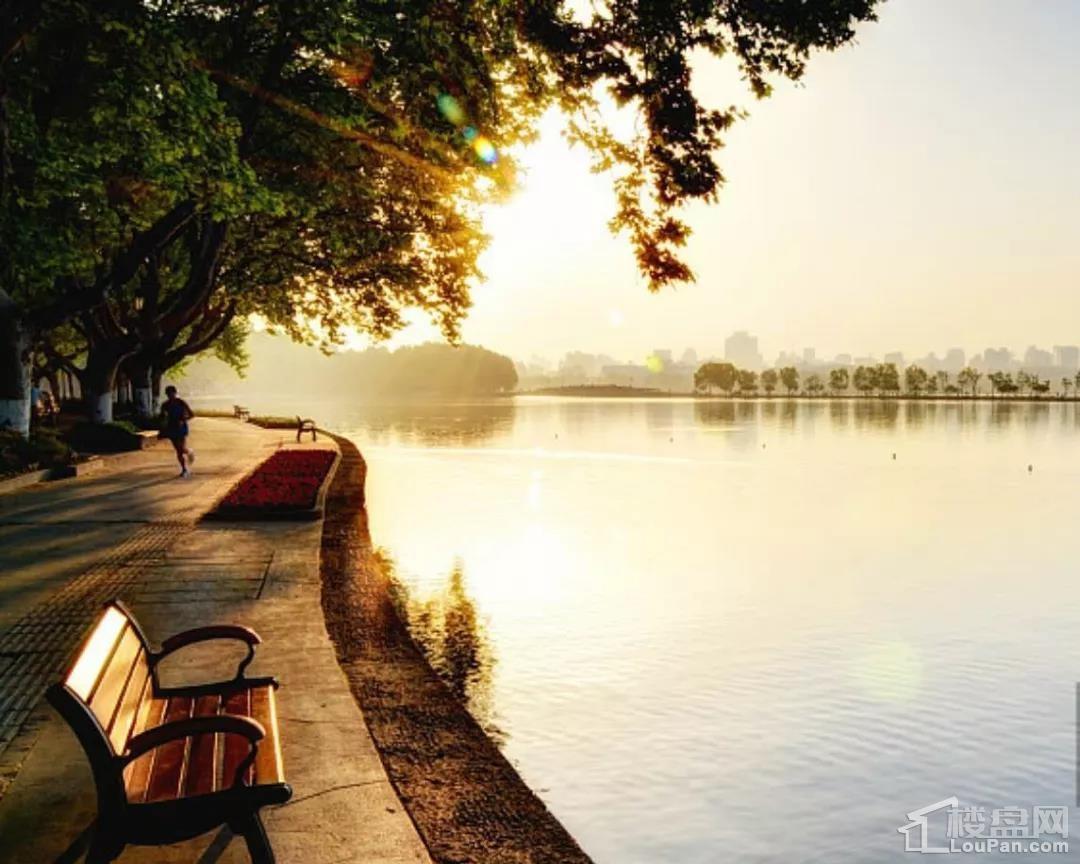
pixel 39 645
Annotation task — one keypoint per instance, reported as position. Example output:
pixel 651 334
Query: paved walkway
pixel 54 531
pixel 65 547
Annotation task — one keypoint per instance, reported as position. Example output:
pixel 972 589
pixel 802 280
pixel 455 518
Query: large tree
pixel 319 163
pixel 111 140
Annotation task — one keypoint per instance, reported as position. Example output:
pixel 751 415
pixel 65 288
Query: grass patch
pixel 272 422
pixel 116 437
pixel 43 449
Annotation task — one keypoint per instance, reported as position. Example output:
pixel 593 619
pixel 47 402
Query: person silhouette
pixel 177 413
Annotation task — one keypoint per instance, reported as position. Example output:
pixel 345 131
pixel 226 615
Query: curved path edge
pixel 465 799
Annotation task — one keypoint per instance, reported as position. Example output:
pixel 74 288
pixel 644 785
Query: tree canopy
pixel 167 167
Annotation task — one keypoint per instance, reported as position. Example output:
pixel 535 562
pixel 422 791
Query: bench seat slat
pixel 167 773
pixel 137 774
pixel 236 748
pixel 202 763
pixel 268 763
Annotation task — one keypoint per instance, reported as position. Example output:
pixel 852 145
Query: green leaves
pixel 111 124
pixel 641 52
pixel 342 148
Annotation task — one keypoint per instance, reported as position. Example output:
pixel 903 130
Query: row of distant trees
pixel 882 379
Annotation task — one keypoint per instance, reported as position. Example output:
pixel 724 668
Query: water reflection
pixel 695 633
pixel 840 413
pixel 918 413
pixel 876 413
pixel 789 412
pixel 885 415
pixel 1029 415
pixel 436 424
pixel 444 623
pixel 715 413
pixel 660 416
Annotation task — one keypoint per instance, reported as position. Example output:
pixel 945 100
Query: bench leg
pixel 258 843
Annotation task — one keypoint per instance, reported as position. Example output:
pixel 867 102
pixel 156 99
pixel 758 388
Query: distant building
pixel 689 357
pixel 664 356
pixel 954 360
pixel 741 349
pixel 997 359
pixel 865 361
pixel 1037 358
pixel 896 357
pixel 677 377
pixel 579 367
pixel 627 375
pixel 809 356
pixel 842 359
pixel 1067 357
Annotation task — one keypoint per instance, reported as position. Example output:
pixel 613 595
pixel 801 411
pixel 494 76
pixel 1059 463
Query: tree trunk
pixel 156 376
pixel 15 341
pixel 71 390
pixel 98 382
pixel 142 381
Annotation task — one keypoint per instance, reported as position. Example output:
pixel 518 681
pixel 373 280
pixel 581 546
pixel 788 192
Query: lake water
pixel 745 631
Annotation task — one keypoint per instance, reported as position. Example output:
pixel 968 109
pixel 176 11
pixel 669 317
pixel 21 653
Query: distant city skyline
pixel 660 370
pixel 743 348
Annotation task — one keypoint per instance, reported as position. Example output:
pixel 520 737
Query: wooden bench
pixel 171 763
pixel 303 426
pixel 240 412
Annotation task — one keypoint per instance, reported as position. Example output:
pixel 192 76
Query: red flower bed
pixel 288 480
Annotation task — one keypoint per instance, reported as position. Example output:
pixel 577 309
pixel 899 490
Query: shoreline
pixel 616 392
pixel 467 801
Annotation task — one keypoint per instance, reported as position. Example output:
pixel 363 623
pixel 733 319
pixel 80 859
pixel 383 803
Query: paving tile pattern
pixel 38 647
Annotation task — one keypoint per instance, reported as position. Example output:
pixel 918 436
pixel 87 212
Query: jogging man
pixel 177 413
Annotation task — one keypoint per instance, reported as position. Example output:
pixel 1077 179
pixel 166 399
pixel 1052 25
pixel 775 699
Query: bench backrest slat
pixel 112 676
pixel 110 690
pixel 140 689
pixel 96 653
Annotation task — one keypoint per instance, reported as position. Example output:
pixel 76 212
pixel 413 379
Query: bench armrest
pixel 217 688
pixel 205 634
pixel 227 724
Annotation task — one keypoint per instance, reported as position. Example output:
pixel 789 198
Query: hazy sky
pixel 920 190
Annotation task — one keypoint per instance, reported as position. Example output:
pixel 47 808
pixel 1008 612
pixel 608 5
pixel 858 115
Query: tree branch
pixel 197 343
pixel 183 308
